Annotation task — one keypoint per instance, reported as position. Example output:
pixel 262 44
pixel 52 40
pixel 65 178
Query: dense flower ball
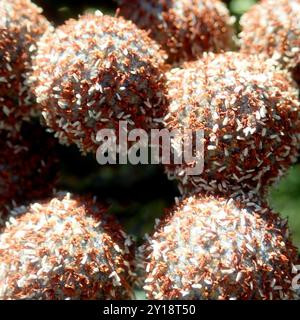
pixel 213 248
pixel 21 25
pixel 28 166
pixel 184 28
pixel 273 27
pixel 65 248
pixel 248 113
pixel 92 73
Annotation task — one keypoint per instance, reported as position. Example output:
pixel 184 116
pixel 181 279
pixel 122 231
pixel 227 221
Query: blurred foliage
pixel 285 198
pixel 139 194
pixel 238 7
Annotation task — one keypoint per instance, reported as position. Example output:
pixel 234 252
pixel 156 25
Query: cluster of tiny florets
pixel 249 114
pixel 184 28
pixel 221 240
pixel 21 26
pixel 98 70
pixel 272 27
pixel 210 247
pixel 64 248
pixel 28 166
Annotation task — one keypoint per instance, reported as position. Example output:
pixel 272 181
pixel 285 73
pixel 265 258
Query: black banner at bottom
pixel 148 309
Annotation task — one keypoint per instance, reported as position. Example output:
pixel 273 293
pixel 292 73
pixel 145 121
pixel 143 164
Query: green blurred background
pixel 139 194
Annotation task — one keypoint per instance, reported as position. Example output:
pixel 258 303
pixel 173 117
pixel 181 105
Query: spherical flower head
pixel 21 26
pixel 272 27
pixel 94 72
pixel 184 28
pixel 210 247
pixel 248 112
pixel 28 166
pixel 65 248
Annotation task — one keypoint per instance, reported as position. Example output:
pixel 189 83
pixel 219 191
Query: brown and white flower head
pixel 21 26
pixel 210 247
pixel 64 248
pixel 249 114
pixel 28 166
pixel 184 28
pixel 92 73
pixel 273 27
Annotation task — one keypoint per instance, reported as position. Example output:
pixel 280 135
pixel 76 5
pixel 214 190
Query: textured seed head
pixel 184 28
pixel 210 247
pixel 65 248
pixel 92 73
pixel 249 114
pixel 21 26
pixel 273 27
pixel 28 166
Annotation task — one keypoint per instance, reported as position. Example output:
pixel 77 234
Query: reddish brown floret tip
pixel 97 71
pixel 65 248
pixel 249 113
pixel 209 247
pixel 273 28
pixel 184 28
pixel 21 26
